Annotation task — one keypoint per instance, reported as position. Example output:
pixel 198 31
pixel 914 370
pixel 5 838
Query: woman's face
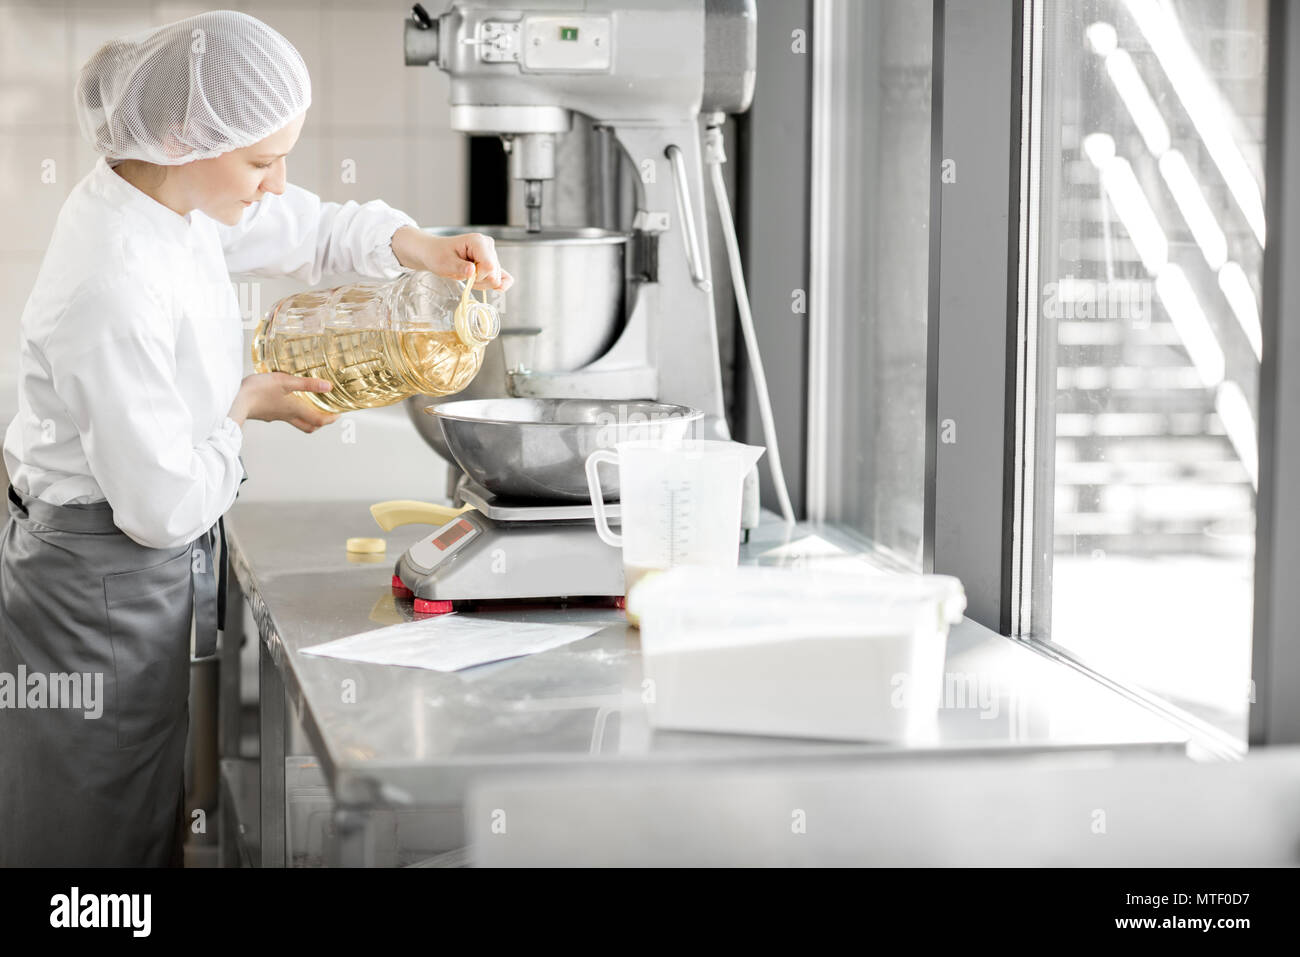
pixel 225 186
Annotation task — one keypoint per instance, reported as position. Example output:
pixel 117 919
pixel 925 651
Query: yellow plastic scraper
pixel 390 515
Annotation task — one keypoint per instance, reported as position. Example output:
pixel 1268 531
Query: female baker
pixel 124 453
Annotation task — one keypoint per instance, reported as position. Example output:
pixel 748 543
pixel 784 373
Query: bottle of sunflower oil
pixel 379 342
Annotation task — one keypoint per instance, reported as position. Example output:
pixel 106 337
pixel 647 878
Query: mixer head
pixel 518 70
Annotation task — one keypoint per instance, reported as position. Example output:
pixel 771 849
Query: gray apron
pixel 81 601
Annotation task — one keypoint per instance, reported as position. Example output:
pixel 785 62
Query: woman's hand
pixel 452 256
pixel 269 396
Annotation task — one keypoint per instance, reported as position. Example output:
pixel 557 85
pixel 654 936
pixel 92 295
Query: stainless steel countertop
pixel 411 737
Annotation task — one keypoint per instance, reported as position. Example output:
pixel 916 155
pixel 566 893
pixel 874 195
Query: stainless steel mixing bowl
pixel 535 450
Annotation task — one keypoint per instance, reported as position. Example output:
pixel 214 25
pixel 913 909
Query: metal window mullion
pixel 974 279
pixel 820 250
pixel 1275 662
pixel 1025 568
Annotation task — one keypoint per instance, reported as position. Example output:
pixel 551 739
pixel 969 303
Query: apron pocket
pixel 149 612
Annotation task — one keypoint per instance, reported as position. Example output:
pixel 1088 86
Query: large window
pixel 1147 197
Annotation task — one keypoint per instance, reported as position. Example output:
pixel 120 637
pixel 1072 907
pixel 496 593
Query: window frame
pixel 973 302
pixel 1275 653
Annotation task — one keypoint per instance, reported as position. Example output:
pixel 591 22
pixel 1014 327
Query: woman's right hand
pixel 269 396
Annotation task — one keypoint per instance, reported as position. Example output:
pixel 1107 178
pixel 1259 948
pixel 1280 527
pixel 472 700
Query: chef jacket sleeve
pixel 296 234
pixel 111 359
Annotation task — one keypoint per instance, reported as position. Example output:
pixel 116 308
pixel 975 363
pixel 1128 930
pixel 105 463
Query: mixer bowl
pixel 535 450
pixel 568 291
pixel 564 310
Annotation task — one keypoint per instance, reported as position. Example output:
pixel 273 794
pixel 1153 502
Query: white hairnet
pixel 190 90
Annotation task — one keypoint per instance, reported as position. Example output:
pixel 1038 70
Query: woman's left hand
pixel 455 256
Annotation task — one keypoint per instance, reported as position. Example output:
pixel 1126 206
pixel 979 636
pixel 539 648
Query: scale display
pixel 452 535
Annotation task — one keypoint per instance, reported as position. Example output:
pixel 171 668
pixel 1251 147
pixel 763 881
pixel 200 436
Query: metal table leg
pixel 273 709
pixel 354 839
pixel 230 706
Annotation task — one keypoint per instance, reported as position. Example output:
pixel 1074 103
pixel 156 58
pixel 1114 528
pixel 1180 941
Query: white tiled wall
pixel 367 106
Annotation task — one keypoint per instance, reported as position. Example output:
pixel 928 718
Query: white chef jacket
pixel 132 346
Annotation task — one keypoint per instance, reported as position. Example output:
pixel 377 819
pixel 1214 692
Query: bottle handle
pixel 477 323
pixel 260 336
pixel 607 535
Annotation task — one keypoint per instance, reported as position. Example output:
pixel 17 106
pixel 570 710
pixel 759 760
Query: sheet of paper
pixel 451 642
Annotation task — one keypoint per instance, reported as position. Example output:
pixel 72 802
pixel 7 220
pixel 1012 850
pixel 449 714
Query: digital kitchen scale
pixel 510 551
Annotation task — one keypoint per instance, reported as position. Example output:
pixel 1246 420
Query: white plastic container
pixel 817 653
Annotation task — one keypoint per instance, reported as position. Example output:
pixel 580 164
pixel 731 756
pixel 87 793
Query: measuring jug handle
pixel 608 536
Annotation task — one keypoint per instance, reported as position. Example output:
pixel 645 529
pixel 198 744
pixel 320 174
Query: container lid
pixel 699 606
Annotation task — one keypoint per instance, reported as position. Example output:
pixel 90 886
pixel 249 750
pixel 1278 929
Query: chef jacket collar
pixel 169 223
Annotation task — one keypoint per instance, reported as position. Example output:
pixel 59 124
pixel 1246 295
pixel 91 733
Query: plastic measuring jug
pixel 679 501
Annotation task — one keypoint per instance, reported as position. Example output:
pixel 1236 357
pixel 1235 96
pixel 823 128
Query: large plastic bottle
pixel 379 342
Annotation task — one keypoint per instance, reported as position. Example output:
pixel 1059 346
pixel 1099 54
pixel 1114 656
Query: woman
pixel 124 454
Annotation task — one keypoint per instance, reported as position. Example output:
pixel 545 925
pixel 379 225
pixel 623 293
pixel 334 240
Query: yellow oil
pixel 369 367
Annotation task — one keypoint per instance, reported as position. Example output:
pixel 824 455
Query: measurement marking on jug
pixel 672 527
pixel 677 504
